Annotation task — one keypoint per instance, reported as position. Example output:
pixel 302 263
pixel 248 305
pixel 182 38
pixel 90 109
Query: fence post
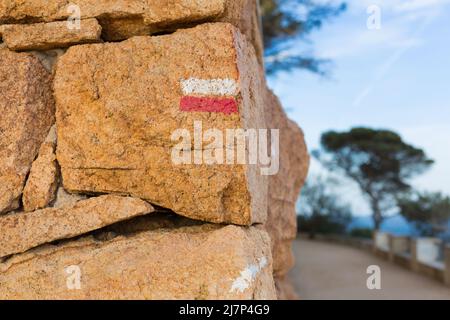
pixel 414 258
pixel 400 245
pixel 447 265
pixel 391 252
pixel 374 241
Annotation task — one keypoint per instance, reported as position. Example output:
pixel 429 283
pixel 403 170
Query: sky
pixel 395 77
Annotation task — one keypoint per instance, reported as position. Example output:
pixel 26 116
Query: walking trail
pixel 332 271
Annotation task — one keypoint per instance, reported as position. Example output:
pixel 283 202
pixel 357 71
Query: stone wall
pixel 118 177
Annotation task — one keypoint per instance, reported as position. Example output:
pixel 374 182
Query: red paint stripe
pixel 204 104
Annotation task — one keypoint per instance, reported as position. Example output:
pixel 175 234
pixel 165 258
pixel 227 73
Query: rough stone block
pixel 22 231
pixel 42 182
pixel 199 262
pixel 120 109
pixel 284 187
pixel 46 36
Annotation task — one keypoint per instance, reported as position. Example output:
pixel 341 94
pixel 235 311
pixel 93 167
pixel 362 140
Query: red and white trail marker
pixel 213 95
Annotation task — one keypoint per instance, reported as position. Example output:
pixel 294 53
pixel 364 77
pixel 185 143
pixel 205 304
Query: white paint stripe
pixel 219 87
pixel 248 275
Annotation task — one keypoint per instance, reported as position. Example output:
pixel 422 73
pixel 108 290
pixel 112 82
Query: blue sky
pixel 397 78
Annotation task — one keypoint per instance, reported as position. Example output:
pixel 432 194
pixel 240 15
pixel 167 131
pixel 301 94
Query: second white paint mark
pixel 248 275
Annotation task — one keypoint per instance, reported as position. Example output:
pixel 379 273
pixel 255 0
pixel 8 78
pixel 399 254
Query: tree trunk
pixel 376 214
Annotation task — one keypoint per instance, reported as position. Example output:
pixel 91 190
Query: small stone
pixel 46 36
pixel 165 14
pixel 42 182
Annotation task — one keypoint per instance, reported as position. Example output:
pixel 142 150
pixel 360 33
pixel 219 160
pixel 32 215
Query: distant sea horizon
pixel 396 225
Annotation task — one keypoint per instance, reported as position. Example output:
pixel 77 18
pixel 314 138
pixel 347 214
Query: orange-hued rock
pixel 169 13
pixel 42 182
pixel 122 19
pixel 282 228
pixel 152 12
pixel 19 11
pixel 284 187
pixel 119 106
pixel 22 231
pixel 198 262
pixel 46 36
pixel 246 16
pixel 27 113
pixel 285 289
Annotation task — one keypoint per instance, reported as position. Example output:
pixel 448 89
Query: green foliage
pixel 320 209
pixel 364 233
pixel 379 161
pixel 287 21
pixel 429 212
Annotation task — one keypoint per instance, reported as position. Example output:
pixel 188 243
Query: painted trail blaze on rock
pixel 205 104
pixel 117 111
pixel 215 95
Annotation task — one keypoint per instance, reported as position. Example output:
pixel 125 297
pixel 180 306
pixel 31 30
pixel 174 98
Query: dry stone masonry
pixel 134 139
pixel 27 111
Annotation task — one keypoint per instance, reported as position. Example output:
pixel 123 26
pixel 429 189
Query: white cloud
pixel 403 27
pixel 433 139
pixel 357 42
pixel 414 5
pixel 396 5
pixel 402 21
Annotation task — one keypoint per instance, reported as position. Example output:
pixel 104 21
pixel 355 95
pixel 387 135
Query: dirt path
pixel 328 271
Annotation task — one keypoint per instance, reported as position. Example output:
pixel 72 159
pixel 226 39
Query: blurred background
pixel 368 83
